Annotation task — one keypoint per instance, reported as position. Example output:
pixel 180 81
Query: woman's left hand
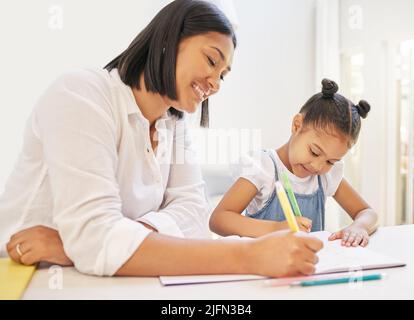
pixel 351 236
pixel 37 244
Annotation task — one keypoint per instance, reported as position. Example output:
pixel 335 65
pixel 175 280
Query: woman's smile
pixel 200 93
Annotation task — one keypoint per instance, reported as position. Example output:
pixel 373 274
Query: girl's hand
pixel 352 236
pixel 37 244
pixel 304 224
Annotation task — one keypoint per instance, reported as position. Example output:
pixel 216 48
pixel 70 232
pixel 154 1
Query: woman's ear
pixel 297 123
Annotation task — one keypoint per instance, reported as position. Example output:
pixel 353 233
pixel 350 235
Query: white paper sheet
pixel 333 258
pixel 336 258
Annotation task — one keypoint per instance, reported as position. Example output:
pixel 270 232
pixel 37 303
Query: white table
pixel 396 241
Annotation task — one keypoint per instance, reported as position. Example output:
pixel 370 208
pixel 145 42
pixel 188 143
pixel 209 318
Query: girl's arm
pixel 227 218
pixel 365 218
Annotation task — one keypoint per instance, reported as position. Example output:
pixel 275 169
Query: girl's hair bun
pixel 363 108
pixel 329 88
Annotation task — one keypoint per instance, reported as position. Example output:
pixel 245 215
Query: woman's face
pixel 202 62
pixel 314 151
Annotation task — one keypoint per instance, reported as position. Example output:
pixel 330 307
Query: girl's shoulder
pixel 258 162
pixel 258 168
pixel 255 166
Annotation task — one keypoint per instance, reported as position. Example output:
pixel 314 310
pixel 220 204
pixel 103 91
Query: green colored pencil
pixel 291 195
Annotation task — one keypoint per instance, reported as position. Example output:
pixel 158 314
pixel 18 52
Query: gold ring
pixel 18 250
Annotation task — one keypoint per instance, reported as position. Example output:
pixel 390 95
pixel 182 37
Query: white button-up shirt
pixel 87 168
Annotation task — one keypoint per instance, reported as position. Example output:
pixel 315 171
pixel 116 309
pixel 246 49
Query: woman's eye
pixel 222 78
pixel 330 163
pixel 314 154
pixel 211 62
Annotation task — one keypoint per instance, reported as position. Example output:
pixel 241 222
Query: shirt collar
pixel 132 107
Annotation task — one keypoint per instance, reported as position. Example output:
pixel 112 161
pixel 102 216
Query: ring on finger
pixel 19 252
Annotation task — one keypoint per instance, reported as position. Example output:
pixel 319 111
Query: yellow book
pixel 14 279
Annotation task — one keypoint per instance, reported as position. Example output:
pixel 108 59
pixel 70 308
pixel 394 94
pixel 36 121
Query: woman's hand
pixel 352 235
pixel 37 244
pixel 283 253
pixel 304 224
pixel 40 243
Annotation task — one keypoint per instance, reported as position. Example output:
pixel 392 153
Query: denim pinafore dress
pixel 312 205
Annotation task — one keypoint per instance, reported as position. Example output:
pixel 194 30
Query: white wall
pixel 384 24
pixel 381 20
pixel 273 66
pixel 34 50
pixel 273 69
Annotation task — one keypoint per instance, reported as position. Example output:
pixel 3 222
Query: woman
pixel 106 179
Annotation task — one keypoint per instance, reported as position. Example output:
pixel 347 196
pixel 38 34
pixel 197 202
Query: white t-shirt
pixel 259 169
pixel 87 168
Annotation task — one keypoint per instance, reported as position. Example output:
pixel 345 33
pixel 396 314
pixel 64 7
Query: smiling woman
pixel 99 183
pixel 200 41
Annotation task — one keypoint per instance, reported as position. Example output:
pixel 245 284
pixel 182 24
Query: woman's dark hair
pixel 330 110
pixel 154 50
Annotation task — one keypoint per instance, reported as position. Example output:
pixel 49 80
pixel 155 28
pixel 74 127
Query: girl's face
pixel 314 151
pixel 202 62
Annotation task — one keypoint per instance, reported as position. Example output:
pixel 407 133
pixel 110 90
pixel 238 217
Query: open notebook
pixel 333 258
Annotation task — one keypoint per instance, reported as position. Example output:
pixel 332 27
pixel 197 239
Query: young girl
pixel 325 129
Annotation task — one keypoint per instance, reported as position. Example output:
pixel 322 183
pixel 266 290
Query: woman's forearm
pixel 164 255
pixel 226 223
pixel 275 255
